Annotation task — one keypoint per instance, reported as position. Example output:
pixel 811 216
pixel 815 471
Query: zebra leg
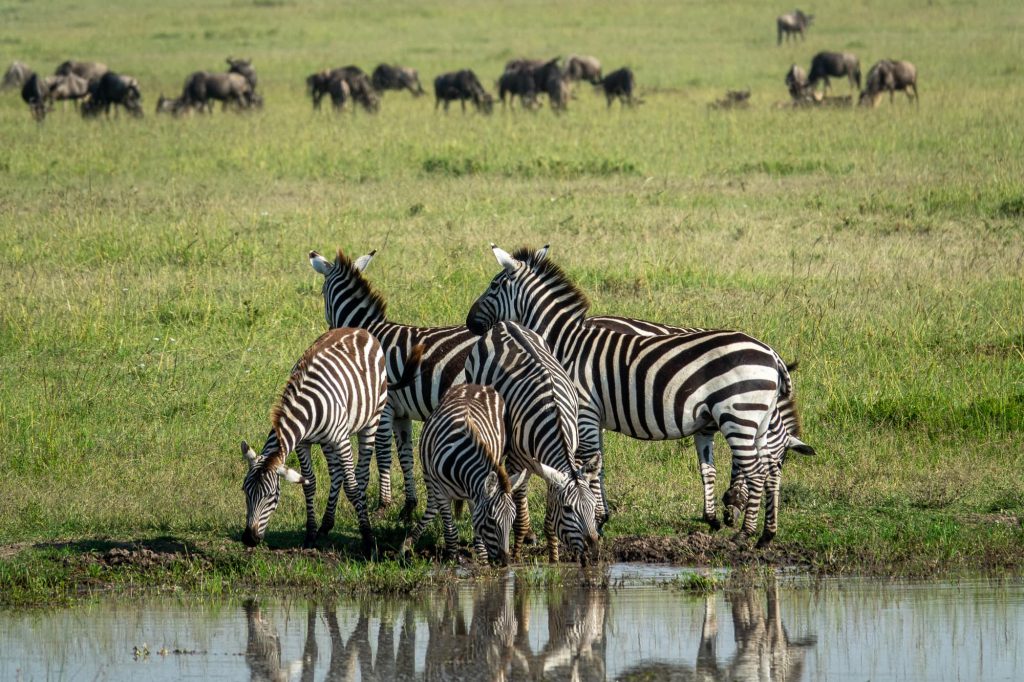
pixel 771 505
pixel 549 526
pixel 309 490
pixel 403 442
pixel 451 535
pixel 382 450
pixel 591 445
pixel 339 459
pixel 522 526
pixel 704 441
pixel 434 501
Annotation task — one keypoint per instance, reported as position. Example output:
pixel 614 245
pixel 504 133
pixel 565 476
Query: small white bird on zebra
pixel 541 416
pixel 350 301
pixel 337 388
pixel 649 388
pixel 460 452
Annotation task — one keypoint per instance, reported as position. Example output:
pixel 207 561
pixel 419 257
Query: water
pixel 838 629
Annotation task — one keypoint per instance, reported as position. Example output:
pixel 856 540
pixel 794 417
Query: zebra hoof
pixel 730 514
pixel 369 545
pixel 765 539
pixel 325 528
pixel 530 539
pixel 741 540
pixel 309 542
pixel 713 522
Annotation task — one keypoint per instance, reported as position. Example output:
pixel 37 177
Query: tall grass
pixel 156 290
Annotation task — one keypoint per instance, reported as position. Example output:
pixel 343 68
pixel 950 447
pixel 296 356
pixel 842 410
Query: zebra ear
pixel 319 263
pixel 363 261
pixel 542 253
pixel 291 475
pixel 551 476
pixel 505 260
pixel 491 484
pixel 520 479
pixel 248 453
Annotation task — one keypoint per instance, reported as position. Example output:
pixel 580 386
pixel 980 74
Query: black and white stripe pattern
pixel 647 387
pixel 337 388
pixel 783 424
pixel 460 451
pixel 350 301
pixel 541 413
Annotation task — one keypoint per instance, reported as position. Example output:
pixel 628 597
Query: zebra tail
pixel 412 368
pixel 785 381
pixel 796 445
pixel 492 457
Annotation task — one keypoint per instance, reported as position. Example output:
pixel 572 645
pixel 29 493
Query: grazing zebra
pixel 350 301
pixel 784 423
pixel 338 387
pixel 647 387
pixel 460 451
pixel 541 415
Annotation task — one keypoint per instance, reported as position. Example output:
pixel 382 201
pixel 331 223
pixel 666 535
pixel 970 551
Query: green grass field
pixel 156 287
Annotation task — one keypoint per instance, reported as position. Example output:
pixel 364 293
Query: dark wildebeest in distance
pixel 518 83
pixel 556 85
pixel 113 89
pixel 395 77
pixel 620 84
pixel 462 85
pixel 244 68
pixel 343 84
pixel 33 93
pixel 363 92
pixel 318 84
pixel 796 82
pixel 175 107
pixel 796 22
pixel 90 71
pixel 583 68
pixel 891 75
pixel 541 71
pixel 202 88
pixel 69 87
pixel 15 76
pixel 834 64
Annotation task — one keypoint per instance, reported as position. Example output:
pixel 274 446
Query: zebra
pixel 541 415
pixel 783 424
pixel 350 301
pixel 337 387
pixel 460 451
pixel 649 388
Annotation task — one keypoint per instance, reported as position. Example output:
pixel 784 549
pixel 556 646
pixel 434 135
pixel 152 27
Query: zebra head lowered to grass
pixel 649 388
pixel 337 388
pixel 350 301
pixel 460 451
pixel 541 415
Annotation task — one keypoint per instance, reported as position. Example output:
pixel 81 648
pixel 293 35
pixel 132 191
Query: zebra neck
pixel 358 314
pixel 559 326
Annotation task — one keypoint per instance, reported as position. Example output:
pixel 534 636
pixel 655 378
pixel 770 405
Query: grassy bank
pixel 156 289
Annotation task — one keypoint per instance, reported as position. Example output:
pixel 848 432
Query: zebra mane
pixel 549 271
pixel 362 287
pixel 298 374
pixel 503 480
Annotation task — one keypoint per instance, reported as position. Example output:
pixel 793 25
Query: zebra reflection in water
pixel 508 630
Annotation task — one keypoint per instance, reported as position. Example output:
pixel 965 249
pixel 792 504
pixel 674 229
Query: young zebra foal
pixel 338 387
pixel 460 450
pixel 541 414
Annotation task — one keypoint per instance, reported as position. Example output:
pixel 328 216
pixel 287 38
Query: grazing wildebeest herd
pixel 525 79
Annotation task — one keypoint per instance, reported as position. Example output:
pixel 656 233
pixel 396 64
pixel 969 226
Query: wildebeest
pixel 357 86
pixel 462 85
pixel 339 91
pixel 202 88
pixel 619 84
pixel 395 77
pixel 891 75
pixel 318 83
pixel 113 89
pixel 363 92
pixel 557 87
pixel 69 87
pixel 175 107
pixel 244 68
pixel 15 76
pixel 90 71
pixel 583 68
pixel 826 64
pixel 795 22
pixel 33 93
pixel 796 82
pixel 734 99
pixel 518 83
